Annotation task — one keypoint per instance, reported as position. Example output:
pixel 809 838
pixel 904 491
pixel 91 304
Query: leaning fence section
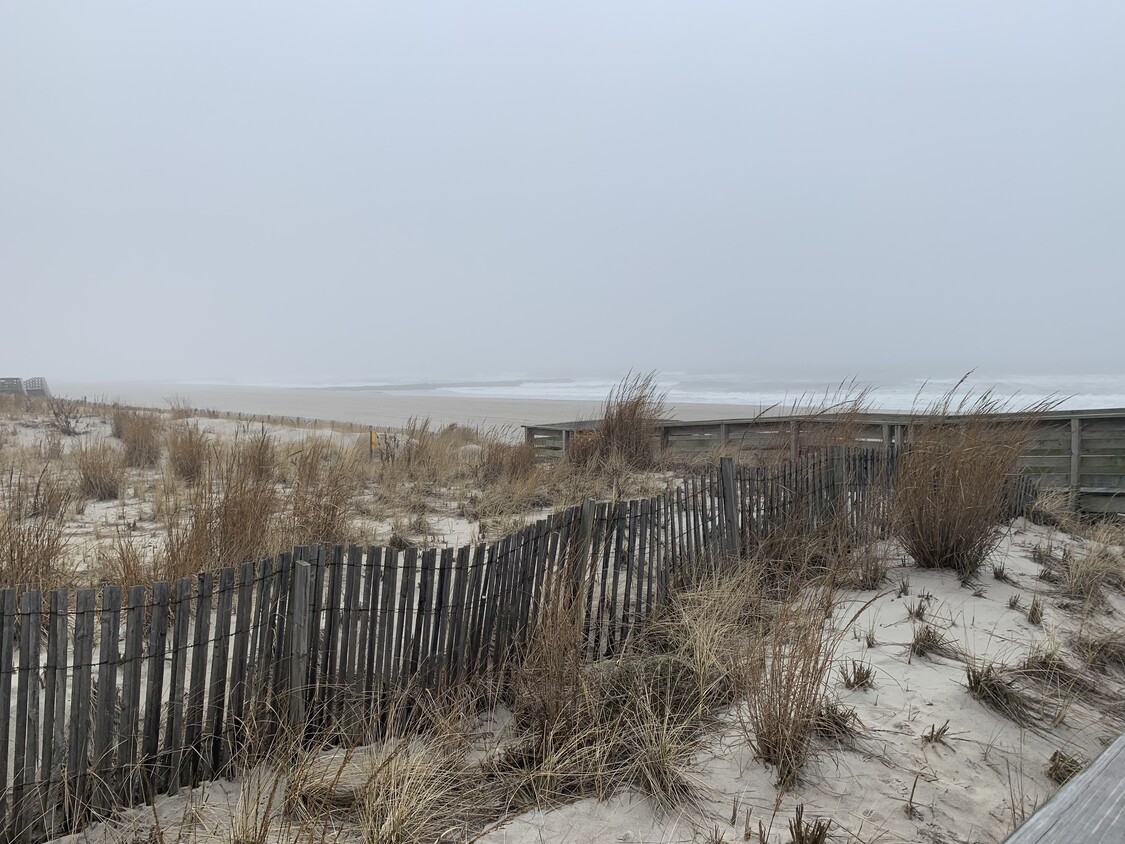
pixel 113 696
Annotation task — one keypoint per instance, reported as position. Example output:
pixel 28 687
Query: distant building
pixel 37 388
pixel 11 387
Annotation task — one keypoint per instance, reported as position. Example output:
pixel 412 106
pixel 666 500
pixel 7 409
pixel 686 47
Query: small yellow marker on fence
pixel 374 444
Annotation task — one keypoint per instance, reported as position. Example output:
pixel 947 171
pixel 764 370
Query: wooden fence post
pixel 582 542
pixel 297 651
pixel 1075 461
pixel 730 507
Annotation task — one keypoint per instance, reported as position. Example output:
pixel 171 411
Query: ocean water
pixel 1068 391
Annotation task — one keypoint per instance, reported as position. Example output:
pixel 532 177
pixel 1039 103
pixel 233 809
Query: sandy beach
pixel 368 407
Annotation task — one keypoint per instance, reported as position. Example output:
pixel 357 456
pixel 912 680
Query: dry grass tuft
pixel 857 675
pixel 786 682
pixel 991 684
pixel 187 452
pixel 322 503
pixel 126 560
pixel 229 517
pixel 953 483
pixel 628 426
pixel 929 641
pixel 936 734
pixel 140 433
pixel 1035 611
pixel 1087 573
pixel 1000 572
pixel 33 544
pixel 632 722
pixel 803 832
pixel 101 470
pixel 1063 767
pixel 1101 650
pixel 1046 667
pixel 415 791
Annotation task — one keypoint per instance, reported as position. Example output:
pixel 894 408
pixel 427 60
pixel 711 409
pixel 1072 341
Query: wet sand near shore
pixel 368 407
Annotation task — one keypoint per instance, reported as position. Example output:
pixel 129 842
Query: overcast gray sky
pixel 308 191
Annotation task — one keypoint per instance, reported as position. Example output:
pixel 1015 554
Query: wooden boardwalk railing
pixel 109 697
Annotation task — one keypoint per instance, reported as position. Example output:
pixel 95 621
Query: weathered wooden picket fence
pixel 110 697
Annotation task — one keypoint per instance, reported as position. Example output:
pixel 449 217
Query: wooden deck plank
pixel 1089 809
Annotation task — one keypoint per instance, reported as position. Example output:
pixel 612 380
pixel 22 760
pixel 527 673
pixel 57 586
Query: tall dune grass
pixel 627 430
pixel 33 542
pixel 101 470
pixel 954 480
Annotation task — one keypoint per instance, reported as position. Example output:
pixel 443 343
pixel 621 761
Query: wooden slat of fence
pixel 696 517
pixel 78 751
pixel 491 589
pixel 33 820
pixel 105 790
pixel 544 577
pixel 173 744
pixel 388 592
pixel 516 592
pixel 643 567
pixel 659 551
pixel 639 551
pixel 439 636
pixel 420 639
pixel 506 603
pixel 559 556
pixel 475 599
pixel 712 534
pixel 458 615
pixel 524 590
pixel 679 533
pixel 193 730
pixel 494 618
pixel 369 624
pixel 505 596
pixel 623 569
pixel 525 587
pixel 604 614
pixel 278 666
pixel 215 750
pixel 257 674
pixel 704 515
pixel 349 635
pixel 314 556
pixel 404 622
pixel 7 648
pixel 330 636
pixel 240 662
pixel 131 694
pixel 591 578
pixel 490 574
pixel 535 552
pixel 24 813
pixel 54 709
pixel 154 688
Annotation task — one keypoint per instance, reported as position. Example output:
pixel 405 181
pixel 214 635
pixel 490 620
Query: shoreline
pixel 372 407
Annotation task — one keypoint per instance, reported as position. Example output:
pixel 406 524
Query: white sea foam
pixel 1071 391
